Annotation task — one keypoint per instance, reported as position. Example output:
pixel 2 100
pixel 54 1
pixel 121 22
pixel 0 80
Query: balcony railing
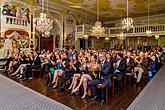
pixel 136 31
pixel 14 22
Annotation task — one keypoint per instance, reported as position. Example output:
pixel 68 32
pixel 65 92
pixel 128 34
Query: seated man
pixel 142 67
pixel 129 63
pixel 103 78
pixel 34 65
pixel 120 67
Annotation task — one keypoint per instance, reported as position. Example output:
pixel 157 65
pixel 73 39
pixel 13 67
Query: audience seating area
pixel 95 74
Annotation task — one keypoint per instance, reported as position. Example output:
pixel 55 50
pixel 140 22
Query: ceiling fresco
pixel 114 8
pixel 109 9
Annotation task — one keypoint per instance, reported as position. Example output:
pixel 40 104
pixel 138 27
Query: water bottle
pixel 149 74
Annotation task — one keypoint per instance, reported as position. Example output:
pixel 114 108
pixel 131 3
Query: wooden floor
pixel 118 102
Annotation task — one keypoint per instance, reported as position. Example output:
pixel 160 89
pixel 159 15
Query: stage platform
pixel 152 96
pixel 14 96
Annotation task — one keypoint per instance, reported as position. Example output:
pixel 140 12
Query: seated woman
pixel 83 70
pixel 74 70
pixel 58 70
pixel 66 72
pixel 92 74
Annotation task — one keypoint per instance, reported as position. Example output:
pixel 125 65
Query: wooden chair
pixel 99 86
pixel 129 76
pixel 113 84
pixel 34 71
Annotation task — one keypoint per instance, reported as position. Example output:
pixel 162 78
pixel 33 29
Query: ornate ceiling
pixel 113 9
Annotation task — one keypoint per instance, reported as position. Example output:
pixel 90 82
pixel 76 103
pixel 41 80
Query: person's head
pixel 70 50
pixel 119 55
pixel 52 54
pixel 108 56
pixel 94 58
pixel 102 56
pixel 31 51
pixel 146 55
pixel 84 60
pixel 48 52
pixel 128 54
pixel 152 54
pixel 58 57
pixel 64 56
pixel 35 54
pixel 6 6
pixel 141 54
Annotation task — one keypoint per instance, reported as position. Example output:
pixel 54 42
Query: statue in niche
pixel 24 41
pixel 8 46
pixel 57 41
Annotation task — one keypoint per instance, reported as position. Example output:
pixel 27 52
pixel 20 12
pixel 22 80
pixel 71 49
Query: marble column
pixel 93 42
pixel 86 43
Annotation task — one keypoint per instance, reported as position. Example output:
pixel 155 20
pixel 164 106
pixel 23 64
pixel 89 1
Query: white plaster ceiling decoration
pixel 113 8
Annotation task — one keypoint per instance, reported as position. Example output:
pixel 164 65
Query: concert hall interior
pixel 82 54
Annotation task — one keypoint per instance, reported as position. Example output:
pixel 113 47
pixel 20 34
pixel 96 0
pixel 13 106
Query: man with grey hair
pixel 142 67
pixel 102 78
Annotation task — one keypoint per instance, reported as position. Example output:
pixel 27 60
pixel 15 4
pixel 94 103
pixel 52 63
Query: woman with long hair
pixel 58 70
pixel 89 75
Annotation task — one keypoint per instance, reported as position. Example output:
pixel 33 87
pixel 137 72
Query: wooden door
pixel 46 43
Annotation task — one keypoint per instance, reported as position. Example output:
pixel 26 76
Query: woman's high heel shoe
pixel 83 97
pixel 51 84
pixel 55 86
pixel 75 90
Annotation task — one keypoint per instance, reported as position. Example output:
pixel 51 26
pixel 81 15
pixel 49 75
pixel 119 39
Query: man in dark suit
pixel 103 78
pixel 34 64
pixel 139 47
pixel 120 67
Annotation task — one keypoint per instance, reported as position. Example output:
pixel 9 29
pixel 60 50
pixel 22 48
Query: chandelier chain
pixel 47 7
pixel 42 6
pixel 148 14
pixel 127 8
pixel 98 10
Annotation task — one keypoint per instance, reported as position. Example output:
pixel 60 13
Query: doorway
pixel 82 43
pixel 46 43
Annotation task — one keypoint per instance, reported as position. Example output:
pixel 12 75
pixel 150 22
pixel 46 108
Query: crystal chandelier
pixel 156 36
pixel 98 30
pixel 148 31
pixel 121 36
pixel 107 38
pixel 127 23
pixel 85 36
pixel 42 23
